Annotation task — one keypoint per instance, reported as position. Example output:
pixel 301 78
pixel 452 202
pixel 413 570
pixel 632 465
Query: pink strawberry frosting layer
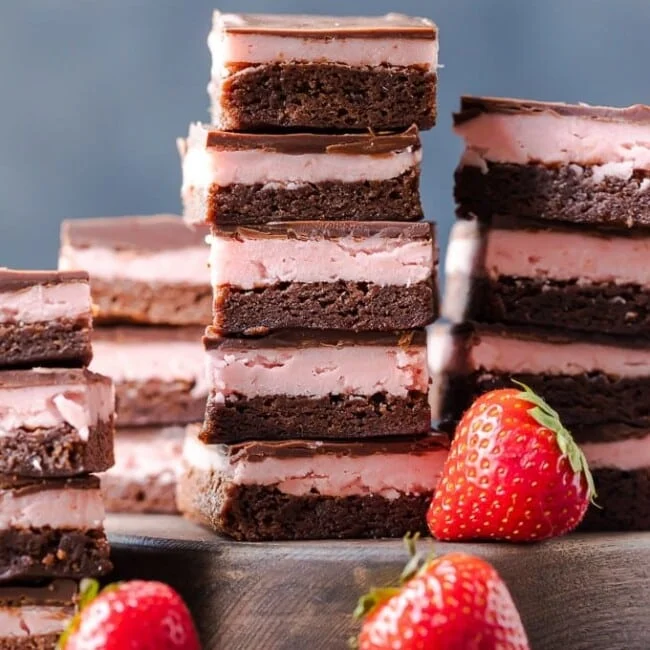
pixel 64 508
pixel 318 371
pixel 552 139
pixel 165 361
pixel 141 454
pixel 32 620
pixel 625 455
pixel 227 48
pixel 179 266
pixel 46 302
pixel 543 254
pixel 40 407
pixel 514 356
pixel 202 168
pixel 250 263
pixel 387 475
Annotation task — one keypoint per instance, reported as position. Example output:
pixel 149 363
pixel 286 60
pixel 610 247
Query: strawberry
pixel 137 615
pixel 453 602
pixel 513 473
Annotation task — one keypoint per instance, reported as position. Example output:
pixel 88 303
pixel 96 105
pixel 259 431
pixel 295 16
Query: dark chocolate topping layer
pixel 369 143
pixel 509 222
pixel 466 334
pixel 257 451
pixel 327 27
pixel 12 280
pixel 472 107
pixel 142 233
pixel 317 230
pixel 147 334
pixel 310 339
pixel 49 377
pixel 22 486
pixel 55 592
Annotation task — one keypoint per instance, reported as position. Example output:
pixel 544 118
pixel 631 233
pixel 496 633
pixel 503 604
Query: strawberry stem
pixel 550 418
pixel 89 589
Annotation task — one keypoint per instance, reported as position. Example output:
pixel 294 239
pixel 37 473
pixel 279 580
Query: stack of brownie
pixel 324 276
pixel 148 279
pixel 56 430
pixel 549 269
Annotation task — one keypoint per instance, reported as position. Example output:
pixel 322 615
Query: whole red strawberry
pixel 136 615
pixel 455 602
pixel 513 473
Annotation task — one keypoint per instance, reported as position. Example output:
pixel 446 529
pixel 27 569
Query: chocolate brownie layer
pixel 62 343
pixel 608 308
pixel 282 417
pixel 57 452
pixel 585 399
pixel 150 495
pixel 52 553
pixel 128 301
pixel 259 513
pixel 326 96
pixel 565 193
pixel 623 498
pixel 341 305
pixel 157 402
pixel 40 642
pixel 394 199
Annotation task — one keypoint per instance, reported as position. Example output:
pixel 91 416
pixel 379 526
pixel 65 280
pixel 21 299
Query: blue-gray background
pixel 94 92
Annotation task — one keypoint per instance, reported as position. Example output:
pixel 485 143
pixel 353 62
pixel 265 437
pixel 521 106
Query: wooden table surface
pixel 588 592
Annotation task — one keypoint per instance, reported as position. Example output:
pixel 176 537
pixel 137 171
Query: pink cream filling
pixel 552 139
pixel 64 508
pixel 32 620
pixel 143 454
pixel 319 371
pixel 34 407
pixel 251 263
pixel 179 266
pixel 228 47
pixel 202 168
pixel 387 475
pixel 625 455
pixel 165 361
pixel 46 302
pixel 550 255
pixel 516 356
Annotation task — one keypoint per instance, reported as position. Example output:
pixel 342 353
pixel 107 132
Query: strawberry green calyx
pixel 378 596
pixel 549 418
pixel 89 590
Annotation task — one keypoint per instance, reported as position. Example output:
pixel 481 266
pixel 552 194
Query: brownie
pixel 356 306
pixel 564 193
pixel 52 595
pixel 62 343
pixel 350 296
pixel 157 373
pixel 32 552
pixel 147 496
pixel 58 451
pixel 262 513
pixel 584 399
pixel 623 499
pixel 143 303
pixel 45 319
pixel 306 81
pixel 611 308
pixel 334 416
pixel 218 487
pixel 375 177
pixel 116 251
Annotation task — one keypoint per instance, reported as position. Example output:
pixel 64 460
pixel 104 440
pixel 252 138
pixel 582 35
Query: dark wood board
pixel 582 592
